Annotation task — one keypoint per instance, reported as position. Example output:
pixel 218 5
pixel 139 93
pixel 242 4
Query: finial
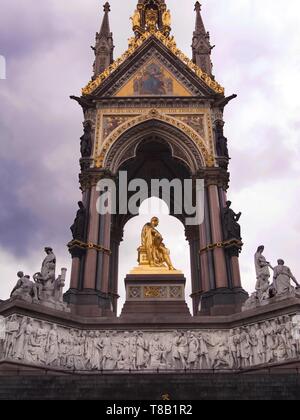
pixel 198 6
pixel 106 7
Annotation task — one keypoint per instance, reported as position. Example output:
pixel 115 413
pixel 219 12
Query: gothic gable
pixel 153 67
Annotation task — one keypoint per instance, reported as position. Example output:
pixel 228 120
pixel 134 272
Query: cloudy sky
pixel 46 46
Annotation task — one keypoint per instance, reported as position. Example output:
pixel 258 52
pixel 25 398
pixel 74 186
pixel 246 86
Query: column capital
pixel 90 178
pixel 192 233
pixel 215 176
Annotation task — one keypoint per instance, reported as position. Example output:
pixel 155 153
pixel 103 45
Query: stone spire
pixel 201 43
pixel 104 45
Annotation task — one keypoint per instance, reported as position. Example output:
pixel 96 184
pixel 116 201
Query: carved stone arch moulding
pixel 176 132
pixel 128 144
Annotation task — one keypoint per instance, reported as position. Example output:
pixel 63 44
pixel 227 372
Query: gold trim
pixel 225 244
pixel 89 245
pixel 134 45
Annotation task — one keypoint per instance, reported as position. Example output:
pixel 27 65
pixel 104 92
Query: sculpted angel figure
pixel 166 17
pixel 136 19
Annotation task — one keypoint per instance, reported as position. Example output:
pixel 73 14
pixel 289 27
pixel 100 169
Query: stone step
pixel 152 387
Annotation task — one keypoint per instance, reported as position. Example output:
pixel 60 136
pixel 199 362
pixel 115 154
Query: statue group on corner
pixel 282 279
pixel 45 289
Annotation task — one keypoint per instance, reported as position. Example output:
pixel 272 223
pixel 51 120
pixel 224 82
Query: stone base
pixel 253 302
pixel 222 302
pixel 146 342
pixel 152 387
pixel 155 294
pixel 89 303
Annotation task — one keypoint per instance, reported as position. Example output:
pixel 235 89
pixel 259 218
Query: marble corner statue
pixel 282 279
pixel 280 289
pixel 46 289
pixel 262 268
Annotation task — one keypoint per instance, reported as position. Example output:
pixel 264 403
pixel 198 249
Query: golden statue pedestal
pixel 154 288
pixel 155 291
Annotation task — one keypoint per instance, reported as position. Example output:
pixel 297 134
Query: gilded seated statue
pixel 153 251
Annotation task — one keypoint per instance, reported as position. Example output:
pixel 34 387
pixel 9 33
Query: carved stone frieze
pixel 44 344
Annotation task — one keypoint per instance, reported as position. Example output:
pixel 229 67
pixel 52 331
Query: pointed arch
pixel 185 143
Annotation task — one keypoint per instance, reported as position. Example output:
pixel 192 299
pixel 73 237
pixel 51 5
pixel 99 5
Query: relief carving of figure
pixel 41 341
pixel 193 351
pixel 222 355
pixel 80 338
pixel 12 328
pixel 156 353
pixel 261 344
pixel 89 350
pixel 270 342
pixel 183 349
pixel 232 344
pixel 20 340
pixel 98 351
pixel 52 347
pixel 246 349
pixel 204 359
pixel 174 350
pixel 125 360
pixel 141 349
pixel 106 346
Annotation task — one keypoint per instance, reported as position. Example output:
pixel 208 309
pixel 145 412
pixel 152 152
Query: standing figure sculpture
pixel 282 279
pixel 166 18
pixel 78 227
pixel 86 140
pixel 152 242
pixel 232 229
pixel 48 266
pixel 221 140
pixel 136 19
pixel 262 267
